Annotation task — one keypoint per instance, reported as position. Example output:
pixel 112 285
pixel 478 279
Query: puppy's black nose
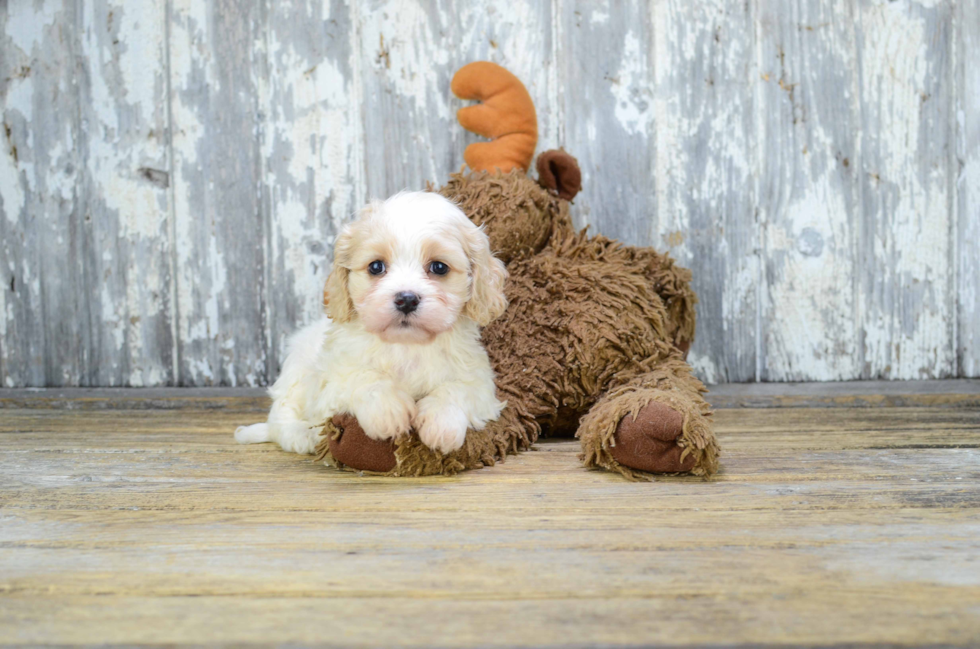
pixel 407 302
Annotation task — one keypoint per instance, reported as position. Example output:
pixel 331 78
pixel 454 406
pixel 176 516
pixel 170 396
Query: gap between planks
pixel 960 393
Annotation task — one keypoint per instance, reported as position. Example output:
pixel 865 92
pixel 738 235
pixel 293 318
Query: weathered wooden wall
pixel 173 172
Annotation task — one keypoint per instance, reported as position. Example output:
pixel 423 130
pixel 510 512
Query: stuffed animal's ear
pixel 560 173
pixel 487 300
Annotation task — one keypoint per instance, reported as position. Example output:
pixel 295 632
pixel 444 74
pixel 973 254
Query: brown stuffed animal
pixel 594 339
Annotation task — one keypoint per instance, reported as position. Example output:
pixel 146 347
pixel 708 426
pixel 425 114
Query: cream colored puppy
pixel 412 283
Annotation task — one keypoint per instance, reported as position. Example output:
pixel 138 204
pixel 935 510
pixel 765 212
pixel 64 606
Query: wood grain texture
pixel 857 526
pixel 967 184
pixel 173 173
pixel 221 230
pixel 948 393
pixel 606 76
pixel 127 247
pixel 23 177
pixel 704 127
pixel 47 321
pixel 84 249
pixel 906 290
pixel 808 195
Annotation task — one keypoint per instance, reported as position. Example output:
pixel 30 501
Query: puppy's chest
pixel 417 371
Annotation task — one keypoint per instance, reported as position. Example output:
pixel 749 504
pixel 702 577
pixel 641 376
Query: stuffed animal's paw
pixel 355 449
pixel 649 442
pixel 440 426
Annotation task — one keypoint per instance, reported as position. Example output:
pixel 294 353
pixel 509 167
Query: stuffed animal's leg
pixel 673 285
pixel 656 422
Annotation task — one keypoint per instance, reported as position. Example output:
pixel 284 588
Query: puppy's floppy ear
pixel 487 300
pixel 336 298
pixel 337 302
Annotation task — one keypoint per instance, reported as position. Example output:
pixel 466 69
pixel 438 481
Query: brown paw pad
pixel 649 442
pixel 358 451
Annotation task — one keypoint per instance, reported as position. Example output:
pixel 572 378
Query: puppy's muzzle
pixel 407 302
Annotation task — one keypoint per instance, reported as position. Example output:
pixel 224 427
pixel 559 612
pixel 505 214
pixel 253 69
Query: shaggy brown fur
pixel 592 345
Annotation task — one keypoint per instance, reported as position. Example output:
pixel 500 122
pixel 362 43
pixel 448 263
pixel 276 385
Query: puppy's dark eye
pixel 376 267
pixel 438 268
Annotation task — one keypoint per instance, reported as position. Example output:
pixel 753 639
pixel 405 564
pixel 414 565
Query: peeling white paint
pixel 969 264
pixel 11 192
pixel 599 16
pixel 687 118
pixel 705 162
pixel 398 36
pixel 24 28
pixel 124 121
pixel 809 305
pixel 196 298
pixel 6 315
pixel 201 370
pixel 18 105
pixel 633 100
pixel 907 328
pixel 113 322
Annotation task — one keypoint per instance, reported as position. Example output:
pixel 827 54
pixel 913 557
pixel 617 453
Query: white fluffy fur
pixel 426 370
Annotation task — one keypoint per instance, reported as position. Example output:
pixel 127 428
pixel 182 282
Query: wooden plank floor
pixel 828 525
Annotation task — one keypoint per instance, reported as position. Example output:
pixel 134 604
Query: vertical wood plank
pixel 85 236
pixel 906 274
pixel 966 173
pixel 606 79
pixel 21 345
pixel 126 247
pixel 220 227
pixel 45 319
pixel 409 50
pixel 312 155
pixel 704 130
pixel 808 196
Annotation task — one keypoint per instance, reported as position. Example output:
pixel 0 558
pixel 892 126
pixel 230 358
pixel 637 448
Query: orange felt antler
pixel 506 116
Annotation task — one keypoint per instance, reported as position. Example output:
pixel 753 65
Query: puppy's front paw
pixel 441 427
pixel 386 415
pixel 300 439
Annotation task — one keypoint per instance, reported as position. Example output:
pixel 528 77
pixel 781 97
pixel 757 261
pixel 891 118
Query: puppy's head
pixel 408 267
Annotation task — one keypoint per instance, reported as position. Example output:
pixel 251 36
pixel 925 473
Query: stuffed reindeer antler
pixel 506 115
